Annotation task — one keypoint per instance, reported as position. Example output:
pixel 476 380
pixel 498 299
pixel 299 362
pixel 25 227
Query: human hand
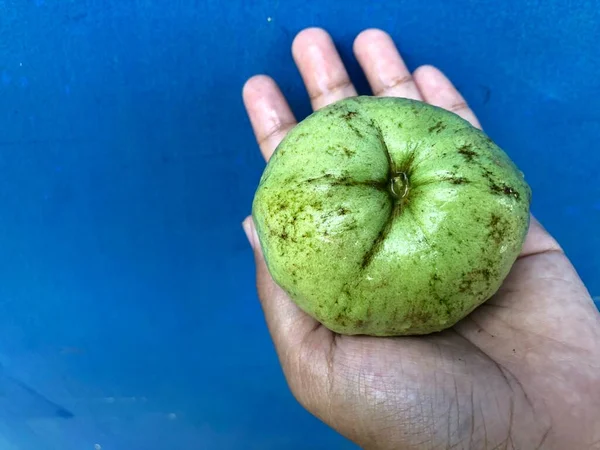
pixel 522 371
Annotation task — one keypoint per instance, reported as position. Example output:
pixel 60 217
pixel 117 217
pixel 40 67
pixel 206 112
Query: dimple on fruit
pixel 389 216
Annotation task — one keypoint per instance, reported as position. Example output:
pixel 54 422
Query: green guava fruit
pixel 388 216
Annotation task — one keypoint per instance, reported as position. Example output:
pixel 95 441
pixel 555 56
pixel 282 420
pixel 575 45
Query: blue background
pixel 128 313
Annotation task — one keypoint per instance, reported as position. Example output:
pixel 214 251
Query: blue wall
pixel 127 164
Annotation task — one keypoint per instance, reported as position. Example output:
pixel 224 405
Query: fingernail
pixel 248 229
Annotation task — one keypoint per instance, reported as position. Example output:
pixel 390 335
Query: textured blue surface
pixel 128 315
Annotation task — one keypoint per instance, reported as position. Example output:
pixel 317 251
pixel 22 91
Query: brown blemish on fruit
pixel 345 181
pixel 472 277
pixel 317 205
pixel 418 317
pixel 500 188
pixel 349 115
pixel 349 153
pixel 495 219
pixel 342 316
pixel 465 285
pixel 503 189
pixel 382 284
pixel 356 130
pixel 437 128
pixel 499 228
pixel 333 151
pixel 467 151
pixel 351 226
pixel 459 180
pixel 442 301
pixel 346 291
pixel 455 179
pixel 510 191
pixel 296 138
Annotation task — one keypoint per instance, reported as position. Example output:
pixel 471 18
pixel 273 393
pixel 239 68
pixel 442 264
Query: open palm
pixel 522 371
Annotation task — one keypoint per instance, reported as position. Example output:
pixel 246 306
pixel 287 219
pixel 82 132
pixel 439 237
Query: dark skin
pixel 522 371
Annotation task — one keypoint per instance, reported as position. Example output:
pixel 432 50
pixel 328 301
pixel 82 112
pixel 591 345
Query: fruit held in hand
pixel 388 216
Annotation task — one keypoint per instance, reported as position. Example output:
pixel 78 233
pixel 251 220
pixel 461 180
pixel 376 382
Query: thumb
pixel 303 345
pixel 538 240
pixel 288 324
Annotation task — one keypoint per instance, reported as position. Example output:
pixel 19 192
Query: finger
pixel 439 91
pixel 538 240
pixel 288 325
pixel 384 68
pixel 269 112
pixel 321 68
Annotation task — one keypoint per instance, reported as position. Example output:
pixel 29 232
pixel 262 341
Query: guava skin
pixel 389 216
